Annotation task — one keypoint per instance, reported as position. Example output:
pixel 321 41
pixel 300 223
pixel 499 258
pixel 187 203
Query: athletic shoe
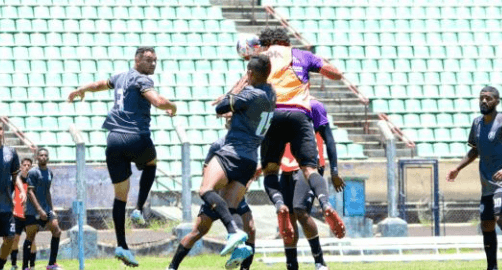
pixel 319 266
pixel 238 256
pixel 335 222
pixel 285 227
pixel 137 217
pixel 54 267
pixel 13 267
pixel 126 257
pixel 233 240
pixel 170 268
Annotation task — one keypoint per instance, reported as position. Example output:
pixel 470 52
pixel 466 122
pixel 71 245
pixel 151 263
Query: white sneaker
pixel 319 266
pixel 137 217
pixel 126 257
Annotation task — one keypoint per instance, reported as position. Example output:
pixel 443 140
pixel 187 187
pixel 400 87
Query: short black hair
pixel 27 159
pixel 261 65
pixel 42 149
pixel 491 89
pixel 141 50
pixel 266 37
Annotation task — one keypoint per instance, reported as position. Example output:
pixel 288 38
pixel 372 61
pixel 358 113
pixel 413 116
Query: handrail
pixel 19 133
pixel 397 131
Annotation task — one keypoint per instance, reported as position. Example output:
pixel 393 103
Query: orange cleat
pixel 335 222
pixel 285 226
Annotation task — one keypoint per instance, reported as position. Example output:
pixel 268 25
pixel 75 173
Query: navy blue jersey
pixel 8 168
pixel 40 180
pixel 487 139
pixel 253 109
pixel 131 111
pixel 217 145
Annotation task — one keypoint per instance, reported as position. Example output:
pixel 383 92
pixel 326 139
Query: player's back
pixel 10 165
pixel 131 111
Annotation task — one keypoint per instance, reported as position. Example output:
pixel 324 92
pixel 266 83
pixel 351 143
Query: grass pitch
pixel 215 262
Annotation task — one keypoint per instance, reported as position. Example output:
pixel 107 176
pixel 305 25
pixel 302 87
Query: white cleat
pixel 319 266
pixel 137 217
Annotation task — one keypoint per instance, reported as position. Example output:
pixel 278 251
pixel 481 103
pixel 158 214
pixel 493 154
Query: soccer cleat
pixel 126 257
pixel 285 227
pixel 335 222
pixel 319 266
pixel 170 268
pixel 233 240
pixel 54 267
pixel 137 217
pixel 238 256
pixel 13 267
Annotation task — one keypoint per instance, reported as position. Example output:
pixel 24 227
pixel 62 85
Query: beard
pixel 486 110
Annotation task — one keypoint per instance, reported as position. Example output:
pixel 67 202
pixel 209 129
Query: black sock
pixel 119 208
pixel 237 218
pixel 291 259
pixel 54 250
pixel 490 242
pixel 2 263
pixel 26 253
pixel 315 247
pixel 181 253
pixel 33 258
pixel 220 206
pixel 246 264
pixel 320 188
pixel 13 257
pixel 273 189
pixel 145 185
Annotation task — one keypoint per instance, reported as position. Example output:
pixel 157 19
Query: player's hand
pixel 218 100
pixel 77 93
pixel 283 209
pixel 338 182
pixel 22 196
pixel 450 177
pixel 171 112
pixel 225 115
pixel 498 176
pixel 43 215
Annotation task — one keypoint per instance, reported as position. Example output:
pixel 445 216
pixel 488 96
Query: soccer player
pixel 291 124
pixel 129 138
pixel 8 174
pixel 485 140
pixel 207 216
pixel 40 210
pixel 235 163
pixel 19 216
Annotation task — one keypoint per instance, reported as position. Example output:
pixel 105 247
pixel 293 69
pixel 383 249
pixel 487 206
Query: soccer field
pixel 214 262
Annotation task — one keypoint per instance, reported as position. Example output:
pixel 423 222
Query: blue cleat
pixel 126 257
pixel 241 253
pixel 137 217
pixel 233 240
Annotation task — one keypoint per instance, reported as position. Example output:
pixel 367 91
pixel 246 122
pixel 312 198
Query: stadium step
pixel 353 117
pixel 380 153
pixel 245 13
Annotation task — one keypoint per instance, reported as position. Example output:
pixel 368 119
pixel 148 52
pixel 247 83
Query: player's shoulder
pixel 9 150
pixel 316 105
pixel 477 120
pixel 34 171
pixel 218 143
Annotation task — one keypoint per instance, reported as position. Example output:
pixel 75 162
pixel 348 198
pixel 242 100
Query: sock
pixel 26 253
pixel 490 243
pixel 320 188
pixel 145 184
pixel 237 218
pixel 54 250
pixel 246 264
pixel 273 189
pixel 181 252
pixel 2 263
pixel 291 259
pixel 220 206
pixel 13 257
pixel 33 258
pixel 315 247
pixel 119 208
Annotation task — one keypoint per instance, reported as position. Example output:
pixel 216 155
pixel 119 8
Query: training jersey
pixel 253 109
pixel 487 139
pixel 41 181
pixel 9 168
pixel 18 205
pixel 131 111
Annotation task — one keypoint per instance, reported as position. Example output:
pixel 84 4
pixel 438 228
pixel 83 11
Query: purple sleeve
pixel 319 115
pixel 314 63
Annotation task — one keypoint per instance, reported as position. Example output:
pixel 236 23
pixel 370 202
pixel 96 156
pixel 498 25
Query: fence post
pixel 186 192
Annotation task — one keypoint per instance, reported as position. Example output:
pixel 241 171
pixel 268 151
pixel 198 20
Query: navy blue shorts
pixel 296 192
pixel 20 225
pixel 7 225
pixel 242 209
pixel 236 168
pixel 124 148
pixel 490 206
pixel 35 220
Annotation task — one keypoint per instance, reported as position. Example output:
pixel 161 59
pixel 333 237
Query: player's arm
pixel 472 154
pixel 32 181
pixel 16 173
pixel 329 140
pixel 233 103
pixel 91 87
pixel 331 72
pixel 159 101
pixel 19 185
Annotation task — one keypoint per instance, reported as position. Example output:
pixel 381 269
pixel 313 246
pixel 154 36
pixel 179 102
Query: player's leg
pixel 488 229
pixel 147 162
pixel 15 245
pixel 31 232
pixel 201 227
pixel 53 226
pixel 7 231
pixel 247 218
pixel 290 246
pixel 33 255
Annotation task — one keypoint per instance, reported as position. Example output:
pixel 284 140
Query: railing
pixel 398 132
pixel 5 120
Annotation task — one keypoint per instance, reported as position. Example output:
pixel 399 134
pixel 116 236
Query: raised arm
pixel 160 102
pixel 331 72
pixel 91 87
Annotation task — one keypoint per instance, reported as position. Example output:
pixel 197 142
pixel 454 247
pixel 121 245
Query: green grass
pixel 215 262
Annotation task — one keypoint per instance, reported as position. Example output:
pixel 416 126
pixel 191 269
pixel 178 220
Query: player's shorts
pixel 295 128
pixel 296 192
pixel 20 225
pixel 124 148
pixel 490 206
pixel 7 224
pixel 242 209
pixel 236 168
pixel 35 220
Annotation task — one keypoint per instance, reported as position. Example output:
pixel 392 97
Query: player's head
pixel 489 98
pixel 42 156
pixel 26 164
pixel 145 60
pixel 277 36
pixel 258 69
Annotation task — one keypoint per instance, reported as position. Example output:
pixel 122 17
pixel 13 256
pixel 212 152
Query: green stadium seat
pixel 355 151
pixel 429 105
pixel 461 120
pixel 48 138
pixel 97 153
pixel 458 134
pixel 444 119
pixel 413 105
pixel 428 120
pixel 51 108
pixel 441 150
pixel 425 135
pixel 445 105
pixel 442 135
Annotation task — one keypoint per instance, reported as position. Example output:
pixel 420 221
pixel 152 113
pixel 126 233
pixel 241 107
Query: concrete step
pixel 353 116
pixel 13 141
pixel 405 152
pixel 331 93
pixel 357 123
pixel 360 130
pixel 335 101
pixel 360 138
pixel 246 13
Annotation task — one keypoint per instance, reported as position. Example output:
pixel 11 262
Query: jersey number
pixel 13 227
pixel 497 202
pixel 266 118
pixel 120 99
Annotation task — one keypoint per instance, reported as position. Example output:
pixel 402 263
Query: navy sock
pixel 181 253
pixel 220 206
pixel 246 264
pixel 26 253
pixel 490 243
pixel 33 258
pixel 320 188
pixel 145 185
pixel 273 189
pixel 119 208
pixel 237 218
pixel 54 250
pixel 291 259
pixel 13 257
pixel 315 247
pixel 2 263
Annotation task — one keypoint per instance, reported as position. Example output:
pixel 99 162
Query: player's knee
pixel 271 168
pixel 152 162
pixel 307 171
pixel 488 225
pixel 301 215
pixel 8 240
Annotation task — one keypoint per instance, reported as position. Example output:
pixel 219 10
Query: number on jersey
pixel 266 119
